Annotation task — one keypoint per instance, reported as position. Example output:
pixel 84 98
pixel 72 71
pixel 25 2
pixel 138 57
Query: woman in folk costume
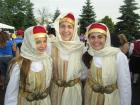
pixel 31 72
pixel 66 54
pixel 108 81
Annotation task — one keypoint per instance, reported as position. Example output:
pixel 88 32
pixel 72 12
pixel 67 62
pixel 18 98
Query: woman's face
pixel 97 40
pixel 41 44
pixel 66 31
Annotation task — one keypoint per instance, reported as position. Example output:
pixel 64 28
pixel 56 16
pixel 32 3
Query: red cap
pixel 97 27
pixel 68 18
pixel 19 32
pixel 39 31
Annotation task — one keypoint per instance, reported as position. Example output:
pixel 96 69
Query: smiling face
pixel 97 40
pixel 41 44
pixel 66 31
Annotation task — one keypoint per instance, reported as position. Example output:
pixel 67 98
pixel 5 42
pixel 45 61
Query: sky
pixel 102 8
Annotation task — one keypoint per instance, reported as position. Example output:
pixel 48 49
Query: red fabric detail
pixel 20 32
pixel 39 29
pixel 69 15
pixel 136 50
pixel 98 25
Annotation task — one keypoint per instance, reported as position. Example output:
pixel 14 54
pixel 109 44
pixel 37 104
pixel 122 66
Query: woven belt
pixel 96 87
pixel 34 96
pixel 63 83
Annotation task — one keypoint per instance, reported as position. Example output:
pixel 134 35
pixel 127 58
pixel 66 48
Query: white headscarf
pixel 28 48
pixel 107 50
pixel 68 46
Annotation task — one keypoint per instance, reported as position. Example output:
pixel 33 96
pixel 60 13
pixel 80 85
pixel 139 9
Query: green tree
pixel 29 16
pixel 18 20
pixel 56 14
pixel 18 13
pixel 110 24
pixel 1 11
pixel 88 16
pixel 7 13
pixel 129 23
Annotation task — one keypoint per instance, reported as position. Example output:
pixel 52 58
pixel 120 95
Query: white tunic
pixel 123 77
pixel 11 96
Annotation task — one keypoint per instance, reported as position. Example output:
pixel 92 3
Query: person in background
pixel 13 36
pixel 82 37
pixel 5 44
pixel 17 40
pixel 67 63
pixel 51 34
pixel 124 44
pixel 134 62
pixel 108 81
pixel 31 72
pixel 5 55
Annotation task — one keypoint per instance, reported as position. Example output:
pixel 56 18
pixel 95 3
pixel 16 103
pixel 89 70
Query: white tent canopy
pixel 5 26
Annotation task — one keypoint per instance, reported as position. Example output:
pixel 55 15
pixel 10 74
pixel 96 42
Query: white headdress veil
pixel 68 46
pixel 107 50
pixel 28 49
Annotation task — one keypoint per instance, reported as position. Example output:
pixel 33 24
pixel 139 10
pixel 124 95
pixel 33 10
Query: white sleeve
pixel 124 80
pixel 84 72
pixel 11 94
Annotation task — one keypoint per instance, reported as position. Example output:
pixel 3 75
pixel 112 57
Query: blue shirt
pixel 18 40
pixel 7 50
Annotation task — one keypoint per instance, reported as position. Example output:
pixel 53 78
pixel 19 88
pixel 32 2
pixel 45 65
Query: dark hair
pixel 25 67
pixel 87 58
pixel 3 39
pixel 19 45
pixel 115 42
pixel 51 31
